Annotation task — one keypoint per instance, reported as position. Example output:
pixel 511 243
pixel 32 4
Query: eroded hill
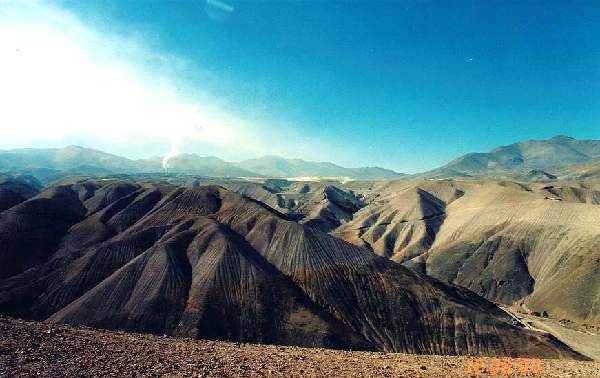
pixel 208 263
pixel 532 245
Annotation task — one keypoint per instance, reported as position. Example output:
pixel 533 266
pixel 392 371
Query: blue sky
pixel 406 85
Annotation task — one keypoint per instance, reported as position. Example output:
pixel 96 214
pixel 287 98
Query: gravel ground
pixel 49 350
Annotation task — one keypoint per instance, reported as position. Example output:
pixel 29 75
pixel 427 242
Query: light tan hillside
pixel 535 245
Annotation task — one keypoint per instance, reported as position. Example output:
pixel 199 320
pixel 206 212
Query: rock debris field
pixel 49 350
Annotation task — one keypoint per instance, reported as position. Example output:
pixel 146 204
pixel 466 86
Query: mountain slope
pixel 588 171
pixel 32 227
pixel 274 166
pixel 320 204
pixel 74 160
pixel 16 189
pixel 77 160
pixel 536 246
pixel 520 158
pixel 202 165
pixel 208 263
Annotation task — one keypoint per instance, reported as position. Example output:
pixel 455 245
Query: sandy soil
pixel 49 350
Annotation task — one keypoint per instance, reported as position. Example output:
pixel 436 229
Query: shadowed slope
pixel 205 282
pixel 30 230
pixel 14 190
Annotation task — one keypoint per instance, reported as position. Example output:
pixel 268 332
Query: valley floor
pixel 584 342
pixel 50 350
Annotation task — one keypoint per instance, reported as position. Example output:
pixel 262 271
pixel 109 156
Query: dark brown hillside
pixel 208 263
pixel 30 231
pixel 223 291
pixel 14 190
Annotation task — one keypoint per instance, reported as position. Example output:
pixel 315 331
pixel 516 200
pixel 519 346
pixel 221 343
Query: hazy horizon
pixel 405 86
pixel 165 154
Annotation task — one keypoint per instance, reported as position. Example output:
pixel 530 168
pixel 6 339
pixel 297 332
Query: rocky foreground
pixel 50 350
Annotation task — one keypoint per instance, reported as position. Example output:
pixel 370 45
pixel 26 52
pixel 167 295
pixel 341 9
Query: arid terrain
pixel 51 350
pixel 535 245
pixel 250 188
pixel 490 269
pixel 208 263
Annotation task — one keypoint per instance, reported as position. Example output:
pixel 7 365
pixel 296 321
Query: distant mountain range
pixel 560 157
pixel 275 166
pixel 533 159
pixel 84 161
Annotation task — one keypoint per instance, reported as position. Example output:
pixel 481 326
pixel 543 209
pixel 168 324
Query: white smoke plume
pixel 174 151
pixel 176 142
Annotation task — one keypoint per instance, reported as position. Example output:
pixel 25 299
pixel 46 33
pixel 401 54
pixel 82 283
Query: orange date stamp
pixel 526 367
